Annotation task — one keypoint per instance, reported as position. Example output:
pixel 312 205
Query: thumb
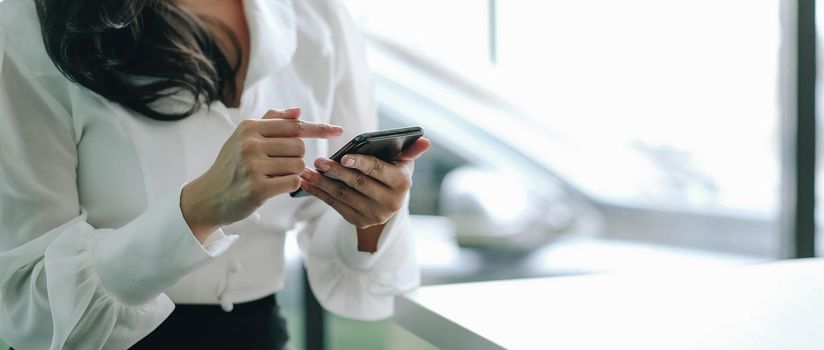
pixel 291 113
pixel 418 148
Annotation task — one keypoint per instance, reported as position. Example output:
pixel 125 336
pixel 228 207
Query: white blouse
pixel 93 246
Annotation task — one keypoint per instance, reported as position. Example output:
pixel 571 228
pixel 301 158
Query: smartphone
pixel 385 145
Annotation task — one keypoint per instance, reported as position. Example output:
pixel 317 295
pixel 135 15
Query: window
pixel 650 125
pixel 598 77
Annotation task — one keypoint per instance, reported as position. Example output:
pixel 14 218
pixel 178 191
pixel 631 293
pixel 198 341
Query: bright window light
pixel 662 103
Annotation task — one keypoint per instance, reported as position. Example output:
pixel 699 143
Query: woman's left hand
pixel 365 190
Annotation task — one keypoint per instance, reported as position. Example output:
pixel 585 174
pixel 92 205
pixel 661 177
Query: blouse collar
pixel 273 37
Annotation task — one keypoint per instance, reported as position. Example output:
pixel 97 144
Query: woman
pixel 143 167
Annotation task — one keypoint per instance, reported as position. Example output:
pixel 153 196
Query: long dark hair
pixel 136 52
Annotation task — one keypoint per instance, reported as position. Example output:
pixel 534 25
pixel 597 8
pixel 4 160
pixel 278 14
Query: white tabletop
pixel 768 306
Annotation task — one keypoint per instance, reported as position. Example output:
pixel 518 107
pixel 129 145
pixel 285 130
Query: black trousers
pixel 253 325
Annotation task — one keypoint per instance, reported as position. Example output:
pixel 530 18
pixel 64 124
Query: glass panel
pixel 653 125
pixel 676 100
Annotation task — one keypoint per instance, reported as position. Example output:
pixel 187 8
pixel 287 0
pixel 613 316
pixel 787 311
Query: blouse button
pixel 226 304
pixel 235 266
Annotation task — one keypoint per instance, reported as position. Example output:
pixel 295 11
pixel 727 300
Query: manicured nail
pixel 306 174
pixel 336 130
pixel 292 110
pixel 348 162
pixel 322 164
pixel 304 185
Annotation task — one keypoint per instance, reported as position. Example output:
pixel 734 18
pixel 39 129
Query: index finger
pixel 297 128
pixel 414 151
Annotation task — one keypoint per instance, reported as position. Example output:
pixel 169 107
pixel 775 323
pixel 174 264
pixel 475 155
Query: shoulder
pixel 22 37
pixel 332 12
pixel 31 86
pixel 335 24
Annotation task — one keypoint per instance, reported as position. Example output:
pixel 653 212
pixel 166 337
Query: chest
pixel 132 161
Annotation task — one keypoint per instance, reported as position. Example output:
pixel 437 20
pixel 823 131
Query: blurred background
pixel 577 137
pixel 574 137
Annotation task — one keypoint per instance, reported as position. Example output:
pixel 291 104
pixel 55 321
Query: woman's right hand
pixel 263 158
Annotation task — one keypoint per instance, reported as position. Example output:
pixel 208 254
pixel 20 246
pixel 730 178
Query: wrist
pixel 368 238
pixel 195 209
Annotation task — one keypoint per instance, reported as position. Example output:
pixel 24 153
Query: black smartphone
pixel 385 145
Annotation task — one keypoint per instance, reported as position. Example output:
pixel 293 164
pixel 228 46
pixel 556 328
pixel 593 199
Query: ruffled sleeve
pixel 346 281
pixel 351 283
pixel 65 284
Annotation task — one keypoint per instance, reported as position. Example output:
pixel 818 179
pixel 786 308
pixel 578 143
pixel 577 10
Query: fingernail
pixel 304 185
pixel 306 174
pixel 348 162
pixel 336 130
pixel 292 110
pixel 322 164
